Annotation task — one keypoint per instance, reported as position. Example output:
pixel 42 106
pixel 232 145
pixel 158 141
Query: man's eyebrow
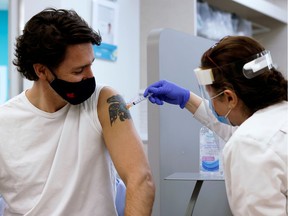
pixel 83 66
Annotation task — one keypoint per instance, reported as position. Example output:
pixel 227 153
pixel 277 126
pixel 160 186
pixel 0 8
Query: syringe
pixel 138 100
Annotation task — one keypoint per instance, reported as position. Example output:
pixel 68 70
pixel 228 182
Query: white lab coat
pixel 255 162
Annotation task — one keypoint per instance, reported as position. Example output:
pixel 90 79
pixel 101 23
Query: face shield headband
pixel 252 67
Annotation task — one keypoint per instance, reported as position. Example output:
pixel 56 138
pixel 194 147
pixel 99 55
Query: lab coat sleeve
pixel 208 119
pixel 255 178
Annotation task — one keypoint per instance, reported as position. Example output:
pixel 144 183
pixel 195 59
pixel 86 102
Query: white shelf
pixel 269 23
pixel 266 8
pixel 190 176
pixel 253 10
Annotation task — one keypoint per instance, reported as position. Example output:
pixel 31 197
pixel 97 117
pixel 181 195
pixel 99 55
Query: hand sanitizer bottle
pixel 209 152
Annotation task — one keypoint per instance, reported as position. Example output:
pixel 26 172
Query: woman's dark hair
pixel 45 39
pixel 227 58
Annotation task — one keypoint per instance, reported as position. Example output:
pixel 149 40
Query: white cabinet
pixel 269 21
pixel 263 12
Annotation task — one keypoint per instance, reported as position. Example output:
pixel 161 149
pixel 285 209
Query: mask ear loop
pixel 215 96
pixel 52 71
pixel 228 112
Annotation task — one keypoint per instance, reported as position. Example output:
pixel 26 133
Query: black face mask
pixel 74 92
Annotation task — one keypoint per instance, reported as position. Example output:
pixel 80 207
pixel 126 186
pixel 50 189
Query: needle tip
pixel 128 106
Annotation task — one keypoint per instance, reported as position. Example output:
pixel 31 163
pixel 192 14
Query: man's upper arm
pixel 120 135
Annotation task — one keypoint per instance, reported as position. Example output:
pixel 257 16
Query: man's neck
pixel 44 98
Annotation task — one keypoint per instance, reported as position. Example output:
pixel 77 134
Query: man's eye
pixel 78 72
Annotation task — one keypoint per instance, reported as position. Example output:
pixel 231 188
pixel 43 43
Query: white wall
pixel 123 75
pixel 178 15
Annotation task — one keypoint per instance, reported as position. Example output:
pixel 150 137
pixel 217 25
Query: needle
pixel 138 100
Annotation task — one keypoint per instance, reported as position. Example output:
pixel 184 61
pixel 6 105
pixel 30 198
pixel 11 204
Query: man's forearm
pixel 140 198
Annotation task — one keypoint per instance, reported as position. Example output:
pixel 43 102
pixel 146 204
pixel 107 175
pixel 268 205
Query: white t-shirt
pixel 55 163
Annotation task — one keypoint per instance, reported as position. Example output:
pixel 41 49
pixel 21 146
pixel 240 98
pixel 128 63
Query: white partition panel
pixel 173 134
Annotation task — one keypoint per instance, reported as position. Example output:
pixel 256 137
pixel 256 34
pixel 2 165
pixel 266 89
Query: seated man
pixel 61 139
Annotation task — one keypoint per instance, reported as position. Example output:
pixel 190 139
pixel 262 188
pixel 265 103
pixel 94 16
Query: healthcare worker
pixel 240 85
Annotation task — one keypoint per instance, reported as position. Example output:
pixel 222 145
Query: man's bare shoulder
pixel 112 107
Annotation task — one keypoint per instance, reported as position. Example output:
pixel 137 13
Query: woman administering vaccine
pixel 240 85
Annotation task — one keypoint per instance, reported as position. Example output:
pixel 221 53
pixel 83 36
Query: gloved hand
pixel 168 92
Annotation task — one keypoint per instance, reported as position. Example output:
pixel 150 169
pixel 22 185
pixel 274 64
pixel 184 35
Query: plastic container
pixel 210 153
pixel 2 206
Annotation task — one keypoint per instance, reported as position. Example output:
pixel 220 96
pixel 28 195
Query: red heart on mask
pixel 70 95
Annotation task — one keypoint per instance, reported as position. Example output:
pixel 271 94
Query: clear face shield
pixel 251 67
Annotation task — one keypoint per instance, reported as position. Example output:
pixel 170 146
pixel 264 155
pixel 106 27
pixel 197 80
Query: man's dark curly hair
pixel 46 37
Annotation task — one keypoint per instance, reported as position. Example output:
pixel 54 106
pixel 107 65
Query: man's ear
pixel 231 97
pixel 41 71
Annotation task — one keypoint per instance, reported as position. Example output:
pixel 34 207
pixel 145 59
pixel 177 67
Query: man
pixel 57 139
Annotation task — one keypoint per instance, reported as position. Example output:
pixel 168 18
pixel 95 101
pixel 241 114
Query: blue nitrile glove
pixel 168 92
